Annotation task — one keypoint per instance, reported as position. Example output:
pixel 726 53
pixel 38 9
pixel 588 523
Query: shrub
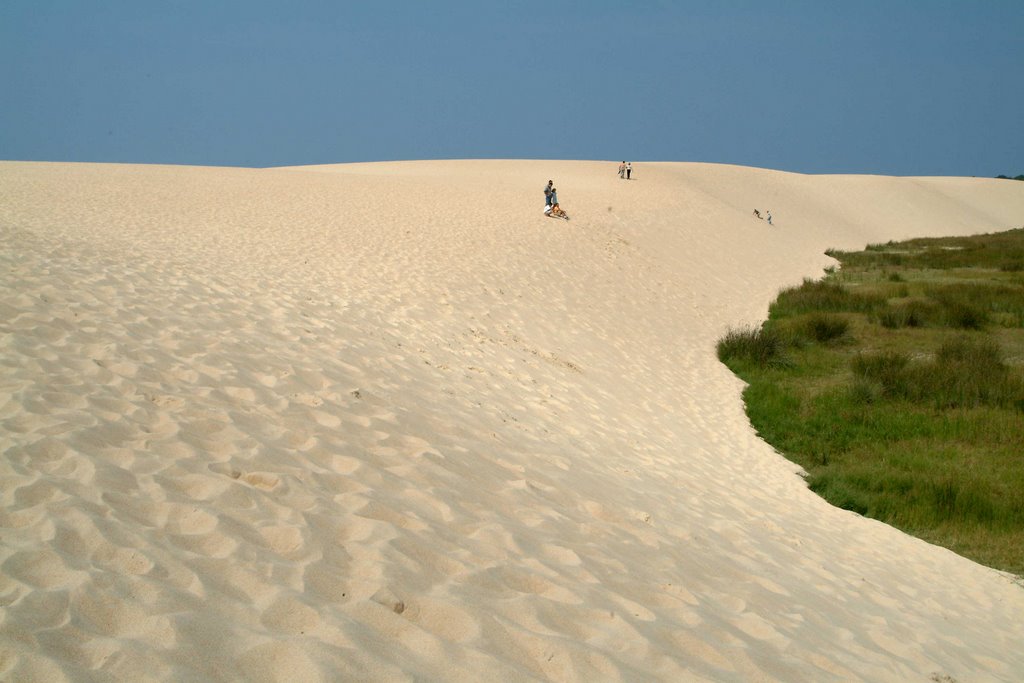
pixel 914 313
pixel 981 355
pixel 919 313
pixel 887 370
pixel 969 373
pixel 865 391
pixel 893 317
pixel 762 346
pixel 824 328
pixel 965 316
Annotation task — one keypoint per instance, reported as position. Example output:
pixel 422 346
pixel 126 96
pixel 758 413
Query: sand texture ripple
pixel 389 422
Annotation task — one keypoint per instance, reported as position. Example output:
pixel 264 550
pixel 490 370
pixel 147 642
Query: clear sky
pixel 900 87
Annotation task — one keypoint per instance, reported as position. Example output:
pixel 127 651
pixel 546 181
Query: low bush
pixel 914 313
pixel 886 370
pixel 826 329
pixel 965 316
pixel 968 373
pixel 761 346
pixel 866 391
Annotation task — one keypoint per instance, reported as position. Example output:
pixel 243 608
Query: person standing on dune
pixel 629 169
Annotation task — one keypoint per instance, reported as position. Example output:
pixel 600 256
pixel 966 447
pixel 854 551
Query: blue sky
pixel 901 87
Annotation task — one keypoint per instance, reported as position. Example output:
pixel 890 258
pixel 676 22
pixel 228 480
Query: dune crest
pixel 387 421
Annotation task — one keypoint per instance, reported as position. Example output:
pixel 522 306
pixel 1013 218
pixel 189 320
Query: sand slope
pixel 388 422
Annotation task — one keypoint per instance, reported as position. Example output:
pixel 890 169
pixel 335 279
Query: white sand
pixel 387 421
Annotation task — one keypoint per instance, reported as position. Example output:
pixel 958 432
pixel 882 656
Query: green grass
pixel 759 346
pixel 897 383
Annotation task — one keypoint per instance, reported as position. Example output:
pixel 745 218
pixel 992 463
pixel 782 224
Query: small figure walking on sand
pixel 769 214
pixel 629 169
pixel 547 195
pixel 622 170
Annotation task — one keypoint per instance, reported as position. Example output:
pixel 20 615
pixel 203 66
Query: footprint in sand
pixel 164 401
pixel 189 520
pixel 266 481
pixel 562 555
pixel 311 400
pixel 757 627
pixel 283 540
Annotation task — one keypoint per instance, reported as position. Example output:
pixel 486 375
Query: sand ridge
pixel 386 421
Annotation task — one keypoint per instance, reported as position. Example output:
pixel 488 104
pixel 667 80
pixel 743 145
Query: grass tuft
pixel 761 346
pixel 827 329
pixel 886 370
pixel 913 313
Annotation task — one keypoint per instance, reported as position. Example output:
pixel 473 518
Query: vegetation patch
pixel 762 347
pixel 897 383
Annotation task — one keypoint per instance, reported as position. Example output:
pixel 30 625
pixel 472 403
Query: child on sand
pixel 556 210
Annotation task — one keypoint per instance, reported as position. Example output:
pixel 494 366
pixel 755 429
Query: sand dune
pixel 388 422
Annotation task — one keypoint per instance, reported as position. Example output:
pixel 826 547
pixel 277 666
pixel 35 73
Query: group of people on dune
pixel 552 209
